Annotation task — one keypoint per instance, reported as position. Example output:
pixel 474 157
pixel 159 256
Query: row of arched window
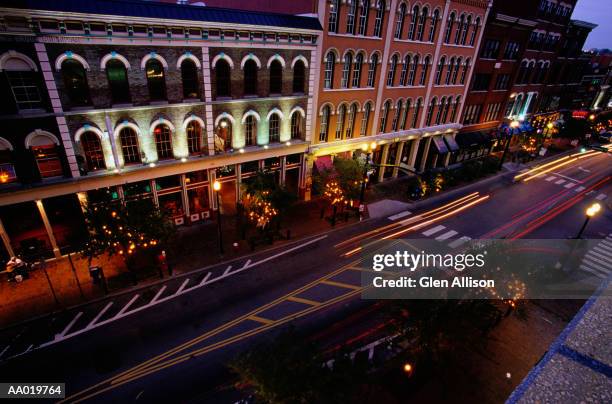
pixel 351 121
pixel 353 18
pixel 352 69
pixel 532 72
pixel 462 30
pixel 413 24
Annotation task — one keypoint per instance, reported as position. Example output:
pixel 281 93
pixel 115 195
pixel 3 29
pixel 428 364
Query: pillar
pixel 111 137
pixel 414 149
pixel 398 159
pixel 425 154
pixel 383 161
pixel 283 170
pixel 48 228
pixel 6 240
pixel 306 176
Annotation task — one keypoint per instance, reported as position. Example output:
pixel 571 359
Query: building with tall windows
pixel 394 72
pixel 116 101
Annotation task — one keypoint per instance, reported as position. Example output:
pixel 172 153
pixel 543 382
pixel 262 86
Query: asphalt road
pixel 173 345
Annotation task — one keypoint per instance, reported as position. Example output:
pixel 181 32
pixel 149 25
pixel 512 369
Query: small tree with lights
pixel 126 229
pixel 336 197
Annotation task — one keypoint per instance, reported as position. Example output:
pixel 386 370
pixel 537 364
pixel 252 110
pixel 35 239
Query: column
pixel 383 161
pixel 211 192
pixel 398 159
pixel 425 154
pixel 185 198
pixel 283 170
pixel 210 136
pixel 6 240
pixel 414 149
pixel 238 169
pixel 45 219
pixel 113 142
pixel 306 176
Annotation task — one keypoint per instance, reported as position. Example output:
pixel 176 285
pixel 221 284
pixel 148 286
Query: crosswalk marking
pixel 598 260
pixel 592 271
pixel 433 230
pixel 549 179
pixel 446 235
pixel 570 185
pixel 459 241
pixel 600 250
pixel 580 188
pixel 598 255
pixel 399 215
pixel 601 197
pixel 560 182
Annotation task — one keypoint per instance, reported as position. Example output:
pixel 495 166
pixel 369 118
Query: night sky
pixel 600 13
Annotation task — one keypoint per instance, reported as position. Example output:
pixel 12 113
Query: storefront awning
pixel 440 145
pixel 451 143
pixel 472 139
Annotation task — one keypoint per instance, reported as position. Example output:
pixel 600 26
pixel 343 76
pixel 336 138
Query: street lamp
pixel 217 188
pixel 590 212
pixel 368 148
pixel 514 124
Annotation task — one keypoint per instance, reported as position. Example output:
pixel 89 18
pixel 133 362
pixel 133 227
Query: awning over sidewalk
pixel 440 145
pixel 451 143
pixel 472 139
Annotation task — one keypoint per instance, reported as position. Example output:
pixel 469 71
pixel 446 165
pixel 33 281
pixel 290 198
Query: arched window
pixel 396 117
pixel 24 82
pixel 299 75
pixel 456 70
pixel 350 17
pixel 384 116
pixel 163 141
pixel 363 17
pixel 324 127
pixel 274 128
pixel 118 81
pixel 357 70
pixel 346 70
pixel 330 61
pixel 297 122
pixel 250 77
pixel 45 149
pixel 129 146
pixel 391 73
pixel 75 82
pixel 520 78
pixel 414 19
pixel 380 14
pixel 440 108
pixel 466 28
pixel 449 69
pixel 404 73
pixel 530 69
pixel 475 31
pixel 7 163
pixel 189 76
pixel 439 70
pixel 434 25
pixel 430 110
pixel 449 28
pixel 459 29
pixel 446 108
pixel 194 137
pixel 401 16
pixel 404 119
pixel 92 148
pixel 250 131
pixel 334 10
pixel 372 71
pixel 466 67
pixel 422 20
pixel 155 80
pixel 223 78
pixel 415 113
pixel 340 121
pixel 350 122
pixel 276 77
pixel 426 64
pixel 413 69
pixel 223 135
pixel 365 119
pixel 455 108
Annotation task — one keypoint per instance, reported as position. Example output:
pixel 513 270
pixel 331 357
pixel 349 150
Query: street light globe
pixel 364 147
pixel 593 209
pixel 550 125
pixel 592 117
pixel 407 367
pixel 373 145
pixel 216 185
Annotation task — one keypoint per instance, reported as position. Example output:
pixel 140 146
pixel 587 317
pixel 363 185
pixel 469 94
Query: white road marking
pixel 590 193
pixel 127 306
pixel 433 230
pixel 69 326
pixel 600 256
pixel 29 348
pixel 399 215
pixel 100 314
pixel 601 197
pixel 584 169
pixel 246 264
pixel 159 292
pixel 602 251
pixel 459 241
pixel 560 182
pixel 580 188
pixel 593 271
pixel 566 177
pixel 552 177
pixel 180 290
pixel 4 350
pixel 605 263
pixel 570 185
pixel 229 267
pixel 590 262
pixel 205 279
pixel 446 235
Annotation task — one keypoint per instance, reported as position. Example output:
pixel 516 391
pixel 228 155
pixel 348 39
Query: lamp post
pixel 217 188
pixel 590 212
pixel 368 148
pixel 514 124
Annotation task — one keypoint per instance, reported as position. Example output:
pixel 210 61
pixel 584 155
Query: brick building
pixel 113 100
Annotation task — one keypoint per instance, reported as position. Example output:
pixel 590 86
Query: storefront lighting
pixel 151 165
pixel 265 146
pixel 241 150
pixel 183 159
pixel 288 143
pixel 217 186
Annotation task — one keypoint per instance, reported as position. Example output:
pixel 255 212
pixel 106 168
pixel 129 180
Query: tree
pixel 126 229
pixel 264 198
pixel 348 173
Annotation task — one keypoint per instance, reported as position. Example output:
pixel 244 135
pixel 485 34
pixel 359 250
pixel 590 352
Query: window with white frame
pixel 413 22
pixel 324 126
pixel 363 17
pixel 340 121
pixel 346 70
pixel 434 25
pixel 378 22
pixel 391 72
pixel 439 70
pixel 372 70
pixel 384 116
pixel 330 61
pixel 421 27
pixel 404 72
pixel 401 16
pixel 350 122
pixel 350 17
pixel 357 70
pixel 274 128
pixel 365 119
pixel 425 70
pixel 332 25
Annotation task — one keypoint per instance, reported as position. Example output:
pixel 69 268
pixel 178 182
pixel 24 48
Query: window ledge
pixel 191 99
pixel 158 102
pixel 250 96
pixel 122 105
